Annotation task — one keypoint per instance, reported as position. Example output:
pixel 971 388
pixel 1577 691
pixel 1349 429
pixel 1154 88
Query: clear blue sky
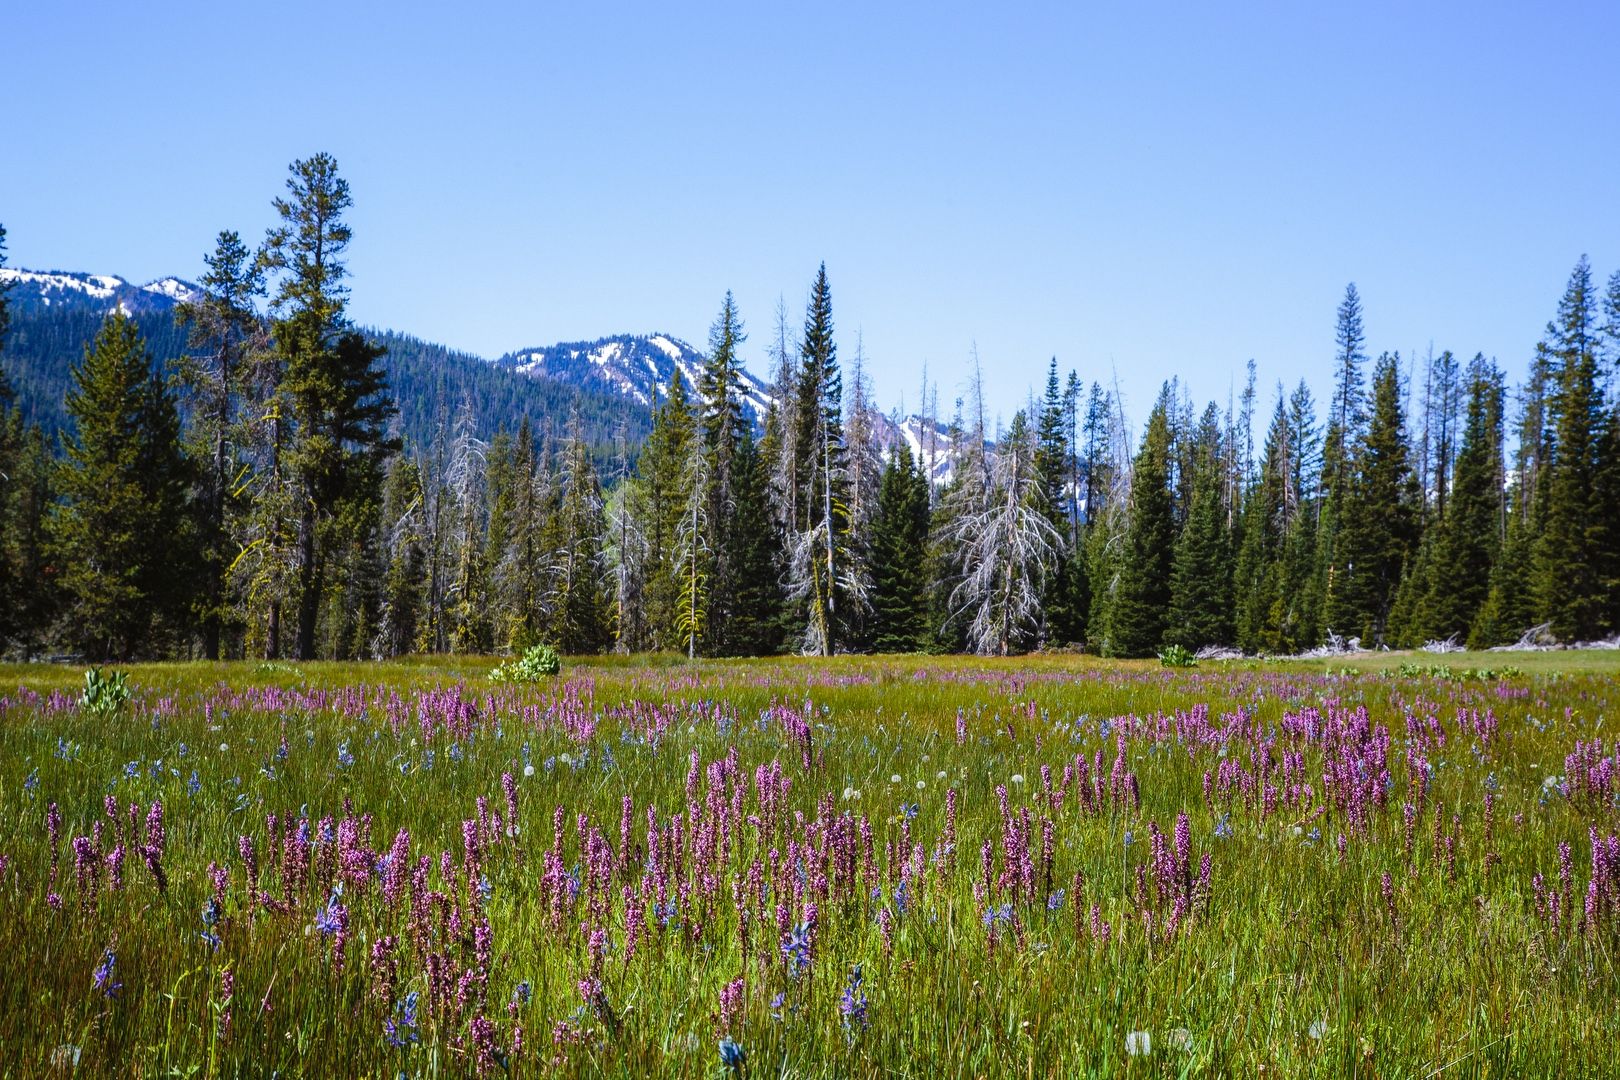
pixel 1151 189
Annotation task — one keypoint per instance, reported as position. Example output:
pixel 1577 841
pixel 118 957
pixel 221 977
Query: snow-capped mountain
pixel 633 366
pixel 31 289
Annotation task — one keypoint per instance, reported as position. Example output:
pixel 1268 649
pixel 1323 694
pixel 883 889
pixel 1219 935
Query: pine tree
pixel 1567 587
pixel 224 330
pixel 1260 568
pixel 1061 619
pixel 825 577
pixel 1138 612
pixel 402 587
pixel 723 428
pixel 336 390
pixel 1201 575
pixel 1607 493
pixel 662 497
pixel 468 597
pixel 754 625
pixel 1340 446
pixel 120 532
pixel 1468 538
pixel 581 623
pixel 1380 525
pixel 899 573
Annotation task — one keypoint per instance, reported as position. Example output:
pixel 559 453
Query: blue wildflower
pixel 1223 827
pixel 909 810
pixel 102 977
pixel 345 759
pixel 132 770
pixel 193 785
pixel 796 949
pixel 1055 901
pixel 852 1005
pixel 400 1029
pixel 31 782
pixel 732 1056
pixel 522 994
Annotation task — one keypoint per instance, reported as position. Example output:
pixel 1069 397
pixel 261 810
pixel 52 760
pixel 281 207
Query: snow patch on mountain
pixel 105 292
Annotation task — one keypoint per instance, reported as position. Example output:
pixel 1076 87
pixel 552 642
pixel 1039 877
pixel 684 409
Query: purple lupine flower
pixel 731 1001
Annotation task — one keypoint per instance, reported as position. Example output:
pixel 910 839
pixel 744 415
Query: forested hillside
pixel 234 468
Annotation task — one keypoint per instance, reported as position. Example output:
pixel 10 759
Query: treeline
pixel 259 497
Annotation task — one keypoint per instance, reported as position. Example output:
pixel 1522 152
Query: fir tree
pixel 824 575
pixel 402 586
pixel 1201 575
pixel 1061 619
pixel 754 625
pixel 1379 529
pixel 723 428
pixel 120 531
pixel 899 572
pixel 1567 587
pixel 662 497
pixel 224 330
pixel 581 624
pixel 1139 609
pixel 1469 533
pixel 337 391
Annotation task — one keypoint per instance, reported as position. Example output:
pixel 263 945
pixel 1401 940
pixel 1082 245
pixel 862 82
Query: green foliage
pixel 537 662
pixel 1177 656
pixel 122 531
pixel 1137 616
pixel 104 696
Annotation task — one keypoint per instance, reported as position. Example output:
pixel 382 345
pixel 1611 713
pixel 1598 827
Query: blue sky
pixel 1141 190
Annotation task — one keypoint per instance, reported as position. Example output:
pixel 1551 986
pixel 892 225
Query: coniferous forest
pixel 259 495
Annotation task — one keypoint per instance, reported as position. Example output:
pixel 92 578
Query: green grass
pixel 1293 964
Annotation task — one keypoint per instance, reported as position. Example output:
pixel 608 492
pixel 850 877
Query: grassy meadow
pixel 1404 865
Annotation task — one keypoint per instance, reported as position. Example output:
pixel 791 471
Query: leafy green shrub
pixel 1177 656
pixel 537 662
pixel 104 695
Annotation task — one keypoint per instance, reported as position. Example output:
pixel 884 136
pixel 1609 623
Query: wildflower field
pixel 910 867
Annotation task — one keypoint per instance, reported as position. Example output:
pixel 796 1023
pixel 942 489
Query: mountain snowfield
pixel 31 288
pixel 636 367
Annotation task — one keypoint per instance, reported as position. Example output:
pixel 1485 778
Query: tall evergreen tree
pixel 336 390
pixel 1469 532
pixel 899 573
pixel 1379 528
pixel 224 329
pixel 1061 619
pixel 824 576
pixel 1201 574
pixel 662 497
pixel 755 612
pixel 1567 587
pixel 581 623
pixel 723 427
pixel 121 530
pixel 1137 616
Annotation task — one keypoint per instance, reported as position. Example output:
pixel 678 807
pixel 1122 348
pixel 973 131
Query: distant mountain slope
pixel 612 381
pixel 55 315
pixel 637 367
pixel 33 290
